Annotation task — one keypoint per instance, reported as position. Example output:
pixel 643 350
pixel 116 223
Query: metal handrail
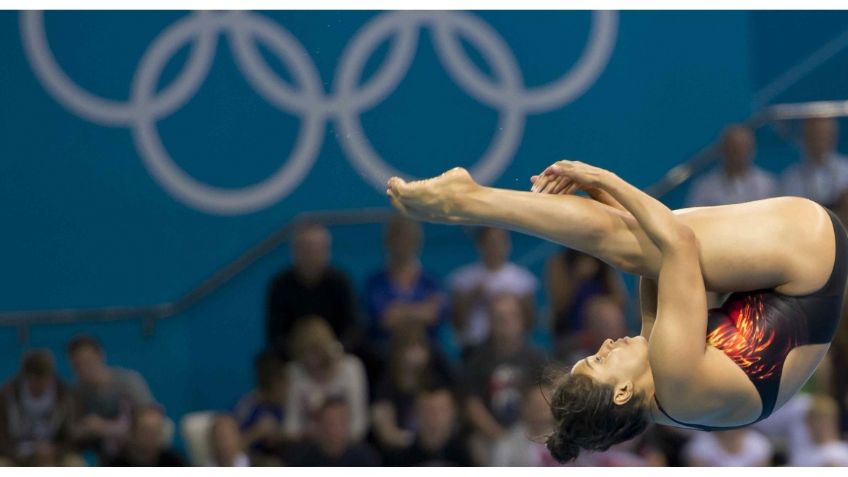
pixel 158 311
pixel 702 159
pixel 152 313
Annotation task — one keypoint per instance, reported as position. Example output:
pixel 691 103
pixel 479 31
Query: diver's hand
pixel 566 177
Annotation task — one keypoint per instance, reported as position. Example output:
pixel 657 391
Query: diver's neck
pixel 646 384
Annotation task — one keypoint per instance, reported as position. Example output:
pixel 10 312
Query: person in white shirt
pixel 474 285
pixel 732 448
pixel 226 443
pixel 737 179
pixel 786 428
pixel 323 371
pixel 823 174
pixel 822 422
pixel 523 445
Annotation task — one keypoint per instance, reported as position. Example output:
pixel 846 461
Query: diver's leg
pixel 777 243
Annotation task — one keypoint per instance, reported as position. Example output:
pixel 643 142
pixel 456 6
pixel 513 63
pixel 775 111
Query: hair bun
pixel 562 448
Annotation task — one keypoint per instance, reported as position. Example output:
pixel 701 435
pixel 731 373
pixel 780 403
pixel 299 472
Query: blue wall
pixel 86 224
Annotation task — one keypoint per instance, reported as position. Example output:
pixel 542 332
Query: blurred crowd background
pixel 412 368
pixel 394 344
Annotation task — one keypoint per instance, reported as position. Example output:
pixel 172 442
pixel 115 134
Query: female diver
pixel 782 260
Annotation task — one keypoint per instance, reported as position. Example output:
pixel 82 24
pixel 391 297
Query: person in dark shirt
pixel 145 447
pixel 413 365
pixel 310 287
pixel 333 446
pixel 497 372
pixel 36 408
pixel 437 441
pixel 572 279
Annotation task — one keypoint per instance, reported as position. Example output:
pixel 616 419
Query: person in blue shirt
pixel 402 293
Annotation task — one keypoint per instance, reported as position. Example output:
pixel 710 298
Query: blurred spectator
pixel 323 371
pixel 738 179
pixel 826 450
pixel 146 446
pixel 437 440
pixel 260 414
pixel 823 174
pixel 35 412
pixel 839 357
pixel 402 294
pixel 731 448
pixel 310 287
pixel 604 319
pixel 332 445
pixel 574 277
pixel 664 445
pixel 413 365
pixel 787 430
pixel 623 454
pixel 226 443
pixel 497 372
pixel 106 397
pixel 524 445
pixel 475 284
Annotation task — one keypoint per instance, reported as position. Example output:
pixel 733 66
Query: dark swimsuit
pixel 758 329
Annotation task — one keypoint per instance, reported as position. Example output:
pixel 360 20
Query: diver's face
pixel 617 361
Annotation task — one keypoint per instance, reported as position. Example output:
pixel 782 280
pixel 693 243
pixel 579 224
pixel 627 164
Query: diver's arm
pixel 659 223
pixel 677 346
pixel 648 305
pixel 561 185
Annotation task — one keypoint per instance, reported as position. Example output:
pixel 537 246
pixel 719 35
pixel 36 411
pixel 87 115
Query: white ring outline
pixel 507 94
pixel 107 111
pixel 361 153
pixel 217 199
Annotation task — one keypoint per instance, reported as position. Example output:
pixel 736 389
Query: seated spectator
pixel 322 371
pixel 822 422
pixel 474 285
pixel 787 430
pixel 260 414
pixel 35 413
pixel 737 179
pixel 604 320
pixel 413 365
pixel 524 445
pixel 497 372
pixel 731 448
pixel 145 446
pixel 437 440
pixel 226 443
pixel 664 445
pixel 402 294
pixel 573 278
pixel 310 287
pixel 823 174
pixel 839 351
pixel 105 396
pixel 623 454
pixel 332 445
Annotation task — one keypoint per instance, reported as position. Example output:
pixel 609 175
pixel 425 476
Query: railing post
pixel 149 326
pixel 23 334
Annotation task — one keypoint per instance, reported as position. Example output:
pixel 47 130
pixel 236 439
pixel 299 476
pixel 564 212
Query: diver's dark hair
pixel 585 417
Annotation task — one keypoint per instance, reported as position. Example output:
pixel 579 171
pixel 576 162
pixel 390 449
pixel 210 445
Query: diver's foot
pixel 438 199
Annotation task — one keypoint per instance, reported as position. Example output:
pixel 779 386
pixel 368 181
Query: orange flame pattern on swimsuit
pixel 746 337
